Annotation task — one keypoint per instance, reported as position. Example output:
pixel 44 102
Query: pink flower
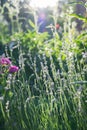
pixel 5 61
pixel 13 69
pixel 57 26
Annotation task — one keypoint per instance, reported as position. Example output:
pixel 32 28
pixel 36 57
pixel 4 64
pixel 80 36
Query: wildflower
pixel 13 69
pixel 5 61
pixel 57 26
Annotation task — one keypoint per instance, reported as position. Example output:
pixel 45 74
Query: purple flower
pixel 13 69
pixel 5 61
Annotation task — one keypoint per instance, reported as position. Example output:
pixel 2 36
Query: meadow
pixel 43 75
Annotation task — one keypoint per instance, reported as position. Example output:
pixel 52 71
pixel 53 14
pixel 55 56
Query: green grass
pixel 49 92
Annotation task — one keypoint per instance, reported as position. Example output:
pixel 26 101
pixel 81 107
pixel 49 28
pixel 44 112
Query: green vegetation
pixel 48 89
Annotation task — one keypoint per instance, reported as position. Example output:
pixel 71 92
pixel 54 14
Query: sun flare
pixel 43 3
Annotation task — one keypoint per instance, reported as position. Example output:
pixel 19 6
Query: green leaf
pixel 82 35
pixel 10 94
pixel 81 3
pixel 31 24
pixel 79 17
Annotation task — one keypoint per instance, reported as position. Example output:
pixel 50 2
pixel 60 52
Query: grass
pixel 49 92
pixel 49 102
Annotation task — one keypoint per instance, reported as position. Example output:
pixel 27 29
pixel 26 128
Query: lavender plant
pixel 49 91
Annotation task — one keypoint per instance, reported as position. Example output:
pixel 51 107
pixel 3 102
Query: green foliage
pixel 80 17
pixel 49 92
pixel 4 34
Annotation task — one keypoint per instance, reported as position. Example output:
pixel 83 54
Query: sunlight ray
pixel 43 3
